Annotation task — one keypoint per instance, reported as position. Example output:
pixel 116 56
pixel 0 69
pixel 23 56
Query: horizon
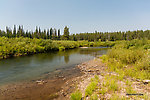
pixel 79 16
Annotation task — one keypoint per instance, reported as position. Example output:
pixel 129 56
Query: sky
pixel 78 15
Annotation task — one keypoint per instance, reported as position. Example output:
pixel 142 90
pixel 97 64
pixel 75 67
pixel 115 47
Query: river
pixel 27 68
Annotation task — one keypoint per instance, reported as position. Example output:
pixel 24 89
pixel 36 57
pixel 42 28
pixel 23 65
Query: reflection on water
pixel 31 67
pixel 66 58
pixel 94 51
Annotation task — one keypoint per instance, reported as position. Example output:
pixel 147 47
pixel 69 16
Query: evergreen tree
pixel 66 33
pixel 58 34
pixel 8 32
pixel 51 33
pixel 44 34
pixel 1 33
pixel 36 33
pixel 22 31
pixel 39 32
pixel 55 34
pixel 47 37
pixel 18 31
pixel 14 31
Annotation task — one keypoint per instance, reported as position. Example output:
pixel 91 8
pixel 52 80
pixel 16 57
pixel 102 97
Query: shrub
pixel 62 48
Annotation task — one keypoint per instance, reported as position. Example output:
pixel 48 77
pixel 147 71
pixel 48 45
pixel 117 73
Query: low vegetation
pixel 76 95
pixel 92 86
pixel 131 58
pixel 24 46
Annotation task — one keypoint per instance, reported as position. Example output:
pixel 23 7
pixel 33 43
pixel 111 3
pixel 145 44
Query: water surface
pixel 31 67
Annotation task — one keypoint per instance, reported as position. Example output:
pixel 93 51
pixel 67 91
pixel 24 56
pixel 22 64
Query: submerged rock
pixel 40 82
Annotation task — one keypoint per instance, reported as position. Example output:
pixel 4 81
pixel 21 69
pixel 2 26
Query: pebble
pixel 40 82
pixel 146 81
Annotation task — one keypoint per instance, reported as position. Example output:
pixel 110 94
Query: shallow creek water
pixel 27 68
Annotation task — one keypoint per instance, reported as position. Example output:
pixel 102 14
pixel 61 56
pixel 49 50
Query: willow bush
pixel 24 46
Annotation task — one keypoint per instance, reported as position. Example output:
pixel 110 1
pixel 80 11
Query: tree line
pixel 55 34
pixel 51 33
pixel 111 36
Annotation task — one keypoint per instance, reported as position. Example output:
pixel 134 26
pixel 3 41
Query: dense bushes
pixel 96 44
pixel 130 52
pixel 131 56
pixel 21 46
pixel 25 46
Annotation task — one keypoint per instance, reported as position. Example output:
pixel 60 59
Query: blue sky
pixel 78 15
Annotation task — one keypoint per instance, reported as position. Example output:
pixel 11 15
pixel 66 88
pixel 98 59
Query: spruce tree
pixel 58 34
pixel 14 31
pixel 66 33
pixel 47 36
pixel 44 34
pixel 51 33
pixel 39 32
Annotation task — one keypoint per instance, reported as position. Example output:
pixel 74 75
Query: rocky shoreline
pixel 96 67
pixel 61 87
pixel 89 70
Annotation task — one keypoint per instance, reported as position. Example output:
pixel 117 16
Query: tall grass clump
pixel 131 56
pixel 111 83
pixel 76 95
pixel 94 97
pixel 92 86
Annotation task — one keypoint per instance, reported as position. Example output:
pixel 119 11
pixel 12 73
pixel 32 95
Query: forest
pixel 55 34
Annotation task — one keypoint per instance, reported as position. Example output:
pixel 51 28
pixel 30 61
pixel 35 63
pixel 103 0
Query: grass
pixel 92 86
pixel 103 90
pixel 116 97
pixel 111 83
pixel 94 97
pixel 129 58
pixel 113 86
pixel 76 95
pixel 128 83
